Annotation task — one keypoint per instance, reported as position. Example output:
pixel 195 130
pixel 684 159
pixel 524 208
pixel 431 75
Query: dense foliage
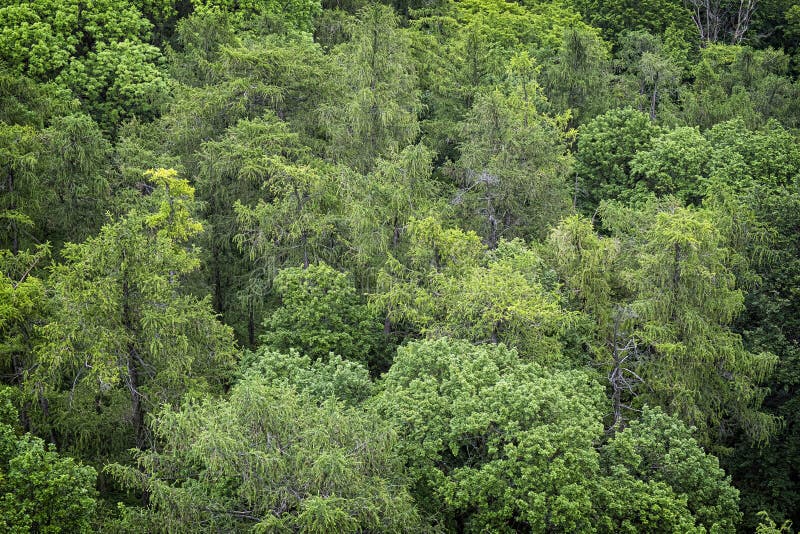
pixel 470 266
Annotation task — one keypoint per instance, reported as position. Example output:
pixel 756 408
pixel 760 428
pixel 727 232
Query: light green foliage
pixel 606 146
pixel 198 39
pixel 122 322
pixel 479 426
pixel 378 114
pixel 320 313
pixel 766 157
pixel 40 490
pixel 52 180
pixel 767 525
pixel 514 163
pixel 661 451
pixel 271 460
pixel 495 443
pixel 96 49
pixel 591 269
pixel 503 298
pixel 295 220
pixel 514 26
pixel 289 74
pixel 23 304
pixel 322 378
pixel 453 286
pixel 41 37
pixel 382 203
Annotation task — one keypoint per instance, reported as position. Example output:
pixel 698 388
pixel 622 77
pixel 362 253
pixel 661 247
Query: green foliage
pixel 271 460
pixel 578 76
pixel 23 306
pixel 320 313
pixel 296 14
pixel 122 322
pixel 495 443
pixel 739 82
pixel 119 81
pixel 41 37
pixel 686 299
pixel 479 426
pixel 323 378
pixel 23 193
pixel 606 145
pixel 41 490
pixel 453 286
pixel 660 450
pixel 615 17
pixel 416 163
pixel 674 165
pixel 378 209
pixel 513 163
pixel 378 114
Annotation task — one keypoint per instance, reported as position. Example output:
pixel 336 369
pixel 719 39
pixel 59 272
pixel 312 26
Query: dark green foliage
pixel 606 147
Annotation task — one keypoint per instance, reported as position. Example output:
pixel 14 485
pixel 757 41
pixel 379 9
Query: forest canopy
pixel 412 266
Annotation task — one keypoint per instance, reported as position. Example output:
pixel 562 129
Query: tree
pixel 119 81
pixel 615 17
pixel 656 73
pixel 496 443
pixel 606 146
pixel 661 452
pixel 675 164
pixel 492 442
pixel 589 267
pixel 41 490
pixel 720 20
pixel 578 76
pixel 123 327
pixel 451 285
pixel 270 459
pixel 75 164
pixel 513 164
pixel 233 171
pixel 321 379
pixel 296 14
pixel 686 299
pixel 319 313
pixel 379 114
pixel 382 204
pixel 23 192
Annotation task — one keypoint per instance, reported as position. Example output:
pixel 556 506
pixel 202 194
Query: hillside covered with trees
pixel 419 266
